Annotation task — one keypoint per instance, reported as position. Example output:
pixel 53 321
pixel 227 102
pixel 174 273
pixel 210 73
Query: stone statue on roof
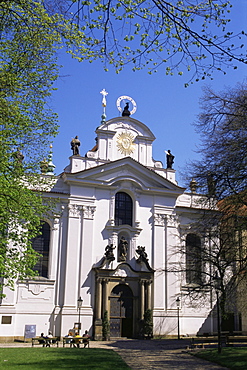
pixel 126 112
pixel 169 159
pixel 75 143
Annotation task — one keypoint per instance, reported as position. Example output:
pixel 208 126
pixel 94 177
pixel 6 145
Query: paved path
pixel 149 354
pixel 159 355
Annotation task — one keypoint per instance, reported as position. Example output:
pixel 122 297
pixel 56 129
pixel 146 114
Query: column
pixel 149 294
pixel 142 283
pixel 98 299
pixel 98 310
pixel 105 297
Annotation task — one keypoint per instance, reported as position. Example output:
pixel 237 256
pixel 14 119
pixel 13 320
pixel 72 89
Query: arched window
pixel 123 209
pixel 193 259
pixel 41 244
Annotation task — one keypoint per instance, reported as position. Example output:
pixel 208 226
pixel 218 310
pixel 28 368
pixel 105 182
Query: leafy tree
pixel 222 124
pixel 32 32
pixel 183 35
pixel 221 177
pixel 28 44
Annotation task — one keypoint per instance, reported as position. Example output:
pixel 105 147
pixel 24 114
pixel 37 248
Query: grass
pixel 59 358
pixel 232 358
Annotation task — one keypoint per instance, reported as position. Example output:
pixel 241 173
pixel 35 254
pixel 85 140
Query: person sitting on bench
pixel 42 339
pixel 85 339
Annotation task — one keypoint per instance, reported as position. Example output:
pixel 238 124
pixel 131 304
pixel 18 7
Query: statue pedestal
pixel 98 329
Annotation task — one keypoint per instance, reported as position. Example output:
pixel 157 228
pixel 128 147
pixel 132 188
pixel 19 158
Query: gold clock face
pixel 125 143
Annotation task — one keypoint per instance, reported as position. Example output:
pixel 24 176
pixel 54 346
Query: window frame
pixel 41 244
pixel 123 212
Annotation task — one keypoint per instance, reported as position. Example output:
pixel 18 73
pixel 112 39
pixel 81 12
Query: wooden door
pixel 121 311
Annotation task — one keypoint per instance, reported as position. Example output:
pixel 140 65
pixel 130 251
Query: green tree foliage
pixel 183 35
pixel 148 323
pixel 29 38
pixel 105 327
pixel 145 33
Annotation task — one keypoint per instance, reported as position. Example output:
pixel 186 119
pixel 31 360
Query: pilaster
pixel 73 253
pixel 54 245
pixel 159 260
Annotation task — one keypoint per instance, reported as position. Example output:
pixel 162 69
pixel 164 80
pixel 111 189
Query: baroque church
pixel 121 221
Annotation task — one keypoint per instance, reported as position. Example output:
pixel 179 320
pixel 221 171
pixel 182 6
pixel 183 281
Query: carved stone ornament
pixel 55 223
pixel 36 289
pixel 125 143
pixel 159 219
pixel 74 210
pixel 88 212
pixel 172 220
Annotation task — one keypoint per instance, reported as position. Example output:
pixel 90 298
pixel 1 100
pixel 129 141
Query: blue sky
pixel 163 104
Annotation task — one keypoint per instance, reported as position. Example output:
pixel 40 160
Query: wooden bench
pixel 202 342
pixel 73 341
pixel 68 340
pixel 45 342
pixel 236 340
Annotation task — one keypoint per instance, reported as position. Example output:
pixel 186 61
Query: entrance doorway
pixel 121 311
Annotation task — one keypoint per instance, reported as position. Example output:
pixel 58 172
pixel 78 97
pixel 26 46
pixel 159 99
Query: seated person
pixel 69 338
pixel 77 341
pixel 85 339
pixel 42 339
pixel 48 342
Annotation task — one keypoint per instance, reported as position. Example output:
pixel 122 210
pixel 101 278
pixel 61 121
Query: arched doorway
pixel 121 311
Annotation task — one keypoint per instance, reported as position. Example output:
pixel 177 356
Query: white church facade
pixel 114 241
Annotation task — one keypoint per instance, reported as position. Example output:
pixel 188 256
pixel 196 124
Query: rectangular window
pixel 6 319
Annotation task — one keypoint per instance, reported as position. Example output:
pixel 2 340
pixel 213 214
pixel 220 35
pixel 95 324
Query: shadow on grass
pixel 56 358
pixel 231 358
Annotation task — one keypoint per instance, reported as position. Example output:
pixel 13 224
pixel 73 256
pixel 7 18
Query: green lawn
pixel 232 358
pixel 56 358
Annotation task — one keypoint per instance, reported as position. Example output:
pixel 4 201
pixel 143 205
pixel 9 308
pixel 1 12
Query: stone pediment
pixel 129 124
pixel 124 170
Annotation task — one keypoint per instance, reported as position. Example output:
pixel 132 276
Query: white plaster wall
pixel 83 230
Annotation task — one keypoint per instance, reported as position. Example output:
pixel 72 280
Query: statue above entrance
pixel 143 257
pixel 122 249
pixel 109 255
